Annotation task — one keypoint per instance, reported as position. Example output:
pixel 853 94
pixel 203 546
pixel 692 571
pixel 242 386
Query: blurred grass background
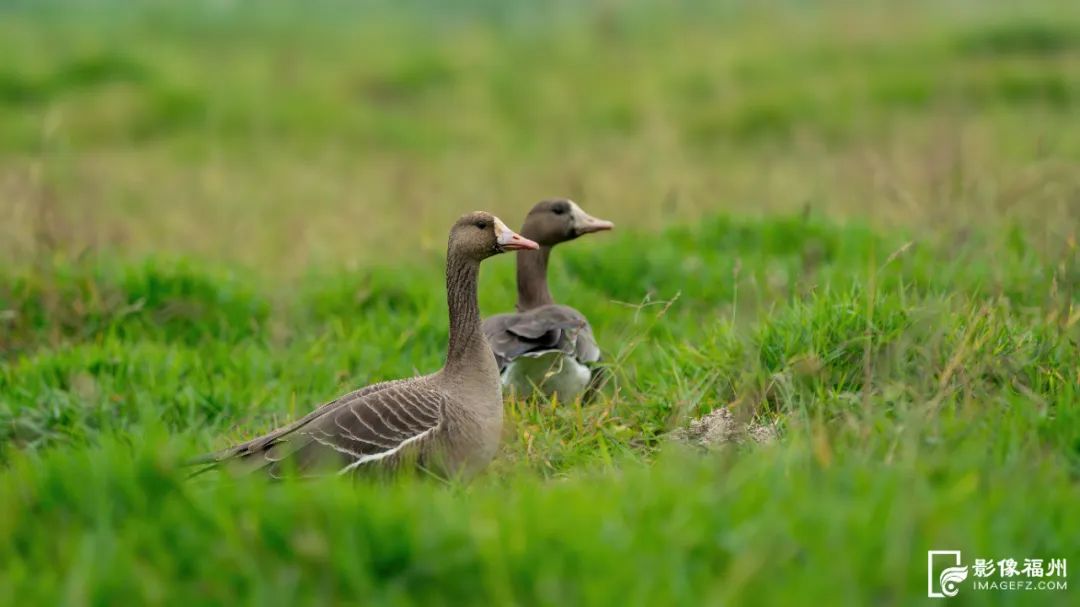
pixel 856 221
pixel 291 134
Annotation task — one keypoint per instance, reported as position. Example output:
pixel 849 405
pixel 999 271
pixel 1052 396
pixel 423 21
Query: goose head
pixel 479 235
pixel 560 219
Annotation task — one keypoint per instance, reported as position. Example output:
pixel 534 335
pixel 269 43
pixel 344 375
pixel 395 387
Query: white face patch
pixel 576 214
pixel 503 234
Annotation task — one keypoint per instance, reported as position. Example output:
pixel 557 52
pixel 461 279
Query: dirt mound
pixel 720 427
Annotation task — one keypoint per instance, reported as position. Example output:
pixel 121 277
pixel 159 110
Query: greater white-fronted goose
pixel 545 345
pixel 448 422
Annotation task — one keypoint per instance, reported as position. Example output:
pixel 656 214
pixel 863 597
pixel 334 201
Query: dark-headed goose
pixel 545 345
pixel 448 422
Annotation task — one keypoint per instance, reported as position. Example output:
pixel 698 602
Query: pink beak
pixel 587 224
pixel 509 240
pixel 590 224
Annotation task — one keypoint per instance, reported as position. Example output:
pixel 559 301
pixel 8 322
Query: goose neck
pixel 466 338
pixel 532 285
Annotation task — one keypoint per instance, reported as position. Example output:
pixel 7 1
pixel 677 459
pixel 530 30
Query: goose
pixel 546 346
pixel 447 423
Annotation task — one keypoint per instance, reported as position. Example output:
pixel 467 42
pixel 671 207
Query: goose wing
pixel 261 442
pixel 366 429
pixel 552 327
pixel 512 335
pixel 585 347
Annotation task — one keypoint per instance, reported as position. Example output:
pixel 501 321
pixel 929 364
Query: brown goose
pixel 545 345
pixel 448 422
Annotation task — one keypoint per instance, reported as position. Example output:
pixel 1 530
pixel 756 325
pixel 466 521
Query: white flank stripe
pixel 339 448
pixel 374 457
pixel 375 432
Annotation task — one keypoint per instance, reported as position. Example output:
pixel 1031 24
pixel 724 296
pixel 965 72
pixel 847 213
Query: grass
pixel 857 223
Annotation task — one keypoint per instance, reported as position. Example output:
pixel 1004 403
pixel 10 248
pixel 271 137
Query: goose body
pixel 545 347
pixel 448 422
pixel 553 371
pixel 549 347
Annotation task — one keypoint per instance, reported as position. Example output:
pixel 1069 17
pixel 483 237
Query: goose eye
pixel 559 210
pixel 481 224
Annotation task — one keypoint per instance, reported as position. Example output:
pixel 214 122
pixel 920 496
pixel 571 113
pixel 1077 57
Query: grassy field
pixel 857 222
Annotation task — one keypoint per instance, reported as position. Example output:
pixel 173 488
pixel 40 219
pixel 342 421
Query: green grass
pixel 917 413
pixel 857 223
